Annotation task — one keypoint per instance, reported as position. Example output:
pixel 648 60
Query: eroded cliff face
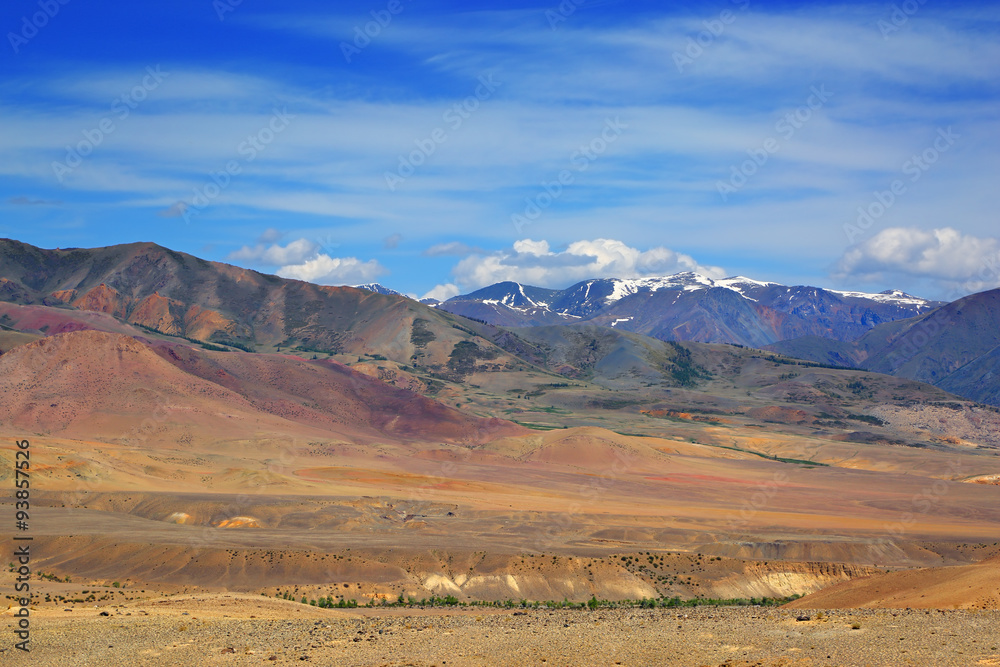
pixel 782 579
pixel 364 573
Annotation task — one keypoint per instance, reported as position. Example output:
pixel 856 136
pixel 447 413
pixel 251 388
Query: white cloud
pixel 326 270
pixel 302 260
pixel 536 248
pixel 443 292
pixel 177 85
pixel 533 262
pixel 956 260
pixel 295 252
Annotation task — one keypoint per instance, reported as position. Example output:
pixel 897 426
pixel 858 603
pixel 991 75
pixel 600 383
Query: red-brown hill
pixel 92 384
pixel 181 295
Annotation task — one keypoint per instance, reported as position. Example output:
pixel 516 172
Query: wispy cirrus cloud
pixel 29 201
pixel 656 187
pixel 451 249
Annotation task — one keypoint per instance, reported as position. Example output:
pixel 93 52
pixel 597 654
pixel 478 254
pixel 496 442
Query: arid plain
pixel 182 503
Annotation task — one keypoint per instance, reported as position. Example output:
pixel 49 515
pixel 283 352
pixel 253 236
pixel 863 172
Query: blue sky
pixel 437 149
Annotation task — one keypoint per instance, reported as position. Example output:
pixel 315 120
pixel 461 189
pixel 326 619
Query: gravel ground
pixel 733 637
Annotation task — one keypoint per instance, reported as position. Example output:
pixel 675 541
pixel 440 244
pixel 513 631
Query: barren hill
pixel 92 384
pixel 974 586
pixel 181 295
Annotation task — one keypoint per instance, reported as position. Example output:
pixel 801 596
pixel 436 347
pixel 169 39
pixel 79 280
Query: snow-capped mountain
pixel 690 306
pixel 379 289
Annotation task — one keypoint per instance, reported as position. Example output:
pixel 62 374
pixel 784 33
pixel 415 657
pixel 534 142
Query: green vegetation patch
pixel 463 357
pixel 683 369
pixel 420 335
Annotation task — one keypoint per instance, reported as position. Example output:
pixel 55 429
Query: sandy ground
pixel 198 630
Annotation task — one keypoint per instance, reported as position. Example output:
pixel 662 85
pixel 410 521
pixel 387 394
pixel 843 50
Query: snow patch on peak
pixel 739 281
pixel 888 296
pixel 619 290
pixel 378 289
pixel 621 287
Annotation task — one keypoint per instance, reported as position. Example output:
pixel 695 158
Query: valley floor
pixel 254 631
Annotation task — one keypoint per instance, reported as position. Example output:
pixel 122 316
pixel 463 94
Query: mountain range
pixel 693 307
pixel 953 346
pixel 609 330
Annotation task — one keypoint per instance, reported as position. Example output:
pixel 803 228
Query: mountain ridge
pixel 955 347
pixel 665 307
pixel 176 294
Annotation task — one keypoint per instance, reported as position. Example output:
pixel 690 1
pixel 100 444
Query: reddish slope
pixel 97 385
pixel 326 394
pixel 51 321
